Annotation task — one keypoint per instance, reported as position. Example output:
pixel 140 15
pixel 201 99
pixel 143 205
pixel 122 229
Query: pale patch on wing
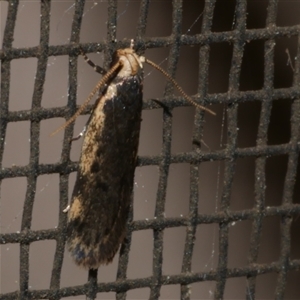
pixel 75 209
pixel 90 146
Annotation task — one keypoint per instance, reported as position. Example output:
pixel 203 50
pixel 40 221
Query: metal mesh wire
pixel 286 211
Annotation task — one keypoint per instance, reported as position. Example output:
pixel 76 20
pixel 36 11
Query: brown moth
pixel 100 202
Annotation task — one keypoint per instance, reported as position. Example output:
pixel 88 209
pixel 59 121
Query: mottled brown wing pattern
pixel 101 197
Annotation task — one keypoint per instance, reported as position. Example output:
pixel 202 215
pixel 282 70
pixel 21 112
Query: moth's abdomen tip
pixel 91 258
pixel 84 258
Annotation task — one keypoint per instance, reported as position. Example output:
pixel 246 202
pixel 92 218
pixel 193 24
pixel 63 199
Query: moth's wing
pixel 101 196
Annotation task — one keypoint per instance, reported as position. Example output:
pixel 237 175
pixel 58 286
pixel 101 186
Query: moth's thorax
pixel 131 62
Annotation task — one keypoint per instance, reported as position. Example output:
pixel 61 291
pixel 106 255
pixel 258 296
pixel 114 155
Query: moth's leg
pixel 79 135
pixel 96 68
pixel 164 107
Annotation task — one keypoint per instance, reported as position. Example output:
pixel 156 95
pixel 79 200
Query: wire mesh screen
pixel 240 57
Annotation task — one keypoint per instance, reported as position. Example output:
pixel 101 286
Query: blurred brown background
pixel 205 258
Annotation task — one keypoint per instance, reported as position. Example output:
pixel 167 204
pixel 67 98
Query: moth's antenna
pixel 101 82
pixel 154 65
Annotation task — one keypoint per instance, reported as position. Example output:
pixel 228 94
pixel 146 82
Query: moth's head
pixel 130 62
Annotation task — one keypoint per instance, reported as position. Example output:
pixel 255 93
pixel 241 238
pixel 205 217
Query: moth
pixel 100 201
